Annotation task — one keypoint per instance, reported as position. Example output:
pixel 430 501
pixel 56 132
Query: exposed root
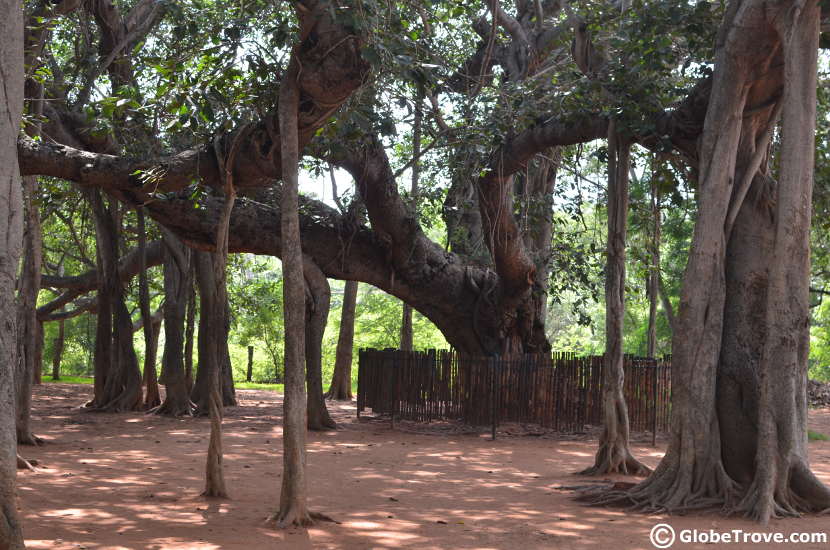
pixel 322 425
pixel 173 409
pixel 23 464
pixel 615 458
pixel 29 439
pixel 294 517
pixel 670 489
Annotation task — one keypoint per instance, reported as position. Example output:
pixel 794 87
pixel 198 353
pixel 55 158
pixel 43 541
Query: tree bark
pixel 117 375
pixel 219 316
pixel 213 329
pixel 11 243
pixel 653 271
pixel 739 365
pixel 250 372
pixel 293 496
pixel 341 380
pixel 38 374
pixel 27 322
pixel 317 301
pixel 152 399
pixel 189 332
pixel 614 453
pixel 178 287
pixel 783 484
pixel 57 351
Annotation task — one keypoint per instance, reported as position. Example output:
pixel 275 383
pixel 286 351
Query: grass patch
pixel 256 386
pixel 69 380
pixel 815 436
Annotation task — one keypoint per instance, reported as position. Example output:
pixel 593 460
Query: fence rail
pixel 559 391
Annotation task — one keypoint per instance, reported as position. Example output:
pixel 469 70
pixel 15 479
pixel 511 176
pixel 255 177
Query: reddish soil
pixel 132 481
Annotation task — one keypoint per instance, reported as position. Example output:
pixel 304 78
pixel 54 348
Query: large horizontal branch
pixel 333 69
pixel 128 267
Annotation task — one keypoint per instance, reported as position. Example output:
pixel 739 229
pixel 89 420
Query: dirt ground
pixel 133 481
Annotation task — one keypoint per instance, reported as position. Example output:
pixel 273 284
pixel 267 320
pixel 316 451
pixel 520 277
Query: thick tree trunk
pixel 537 226
pixel 293 495
pixel 341 379
pixel 783 484
pixel 220 316
pixel 11 243
pixel 152 399
pixel 740 347
pixel 57 351
pixel 614 453
pixel 317 302
pixel 27 314
pixel 117 375
pixel 178 286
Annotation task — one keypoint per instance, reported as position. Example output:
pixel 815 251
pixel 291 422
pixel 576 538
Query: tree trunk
pixel 117 375
pixel 57 351
pixel 614 454
pixel 341 380
pixel 152 398
pixel 220 317
pixel 783 484
pixel 11 243
pixel 293 500
pixel 211 329
pixel 317 301
pixel 27 321
pixel 653 271
pixel 190 331
pixel 406 328
pixel 178 286
pixel 38 375
pixel 740 347
pixel 250 372
pixel 406 341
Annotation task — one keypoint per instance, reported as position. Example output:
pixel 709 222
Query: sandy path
pixel 133 481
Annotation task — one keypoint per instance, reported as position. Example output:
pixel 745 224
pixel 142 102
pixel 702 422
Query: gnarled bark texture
pixel 178 286
pixel 740 343
pixel 220 316
pixel 117 375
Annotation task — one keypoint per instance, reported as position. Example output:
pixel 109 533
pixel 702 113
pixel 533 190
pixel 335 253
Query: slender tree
pixel 341 379
pixel 614 453
pixel 152 398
